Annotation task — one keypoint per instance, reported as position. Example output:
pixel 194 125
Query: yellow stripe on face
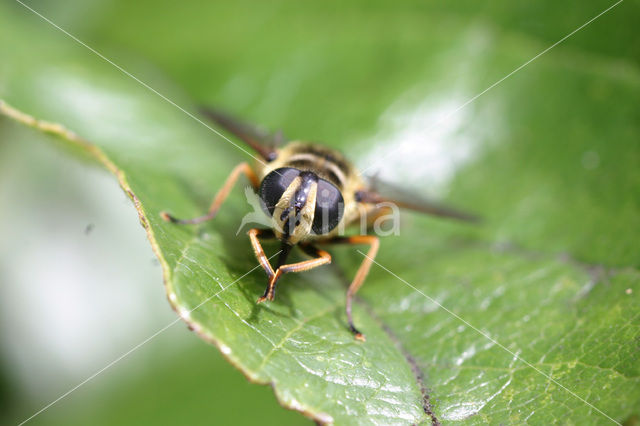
pixel 301 220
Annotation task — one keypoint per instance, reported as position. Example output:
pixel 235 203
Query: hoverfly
pixel 310 192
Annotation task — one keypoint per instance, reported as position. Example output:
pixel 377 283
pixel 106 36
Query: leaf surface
pixel 549 158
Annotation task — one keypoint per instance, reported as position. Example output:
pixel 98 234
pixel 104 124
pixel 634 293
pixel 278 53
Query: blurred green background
pixel 329 71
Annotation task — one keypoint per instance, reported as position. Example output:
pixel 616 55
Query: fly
pixel 310 192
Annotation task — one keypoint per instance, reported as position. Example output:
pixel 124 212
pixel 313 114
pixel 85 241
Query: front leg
pixel 258 250
pixel 321 257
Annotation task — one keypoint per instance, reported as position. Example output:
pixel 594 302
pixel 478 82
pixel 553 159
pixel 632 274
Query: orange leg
pixel 220 196
pixel 257 248
pixel 321 257
pixel 373 243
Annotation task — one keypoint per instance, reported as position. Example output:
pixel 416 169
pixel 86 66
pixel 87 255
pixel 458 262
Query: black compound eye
pixel 274 185
pixel 329 208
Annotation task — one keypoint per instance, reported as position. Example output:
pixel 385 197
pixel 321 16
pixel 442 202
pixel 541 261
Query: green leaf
pixel 549 157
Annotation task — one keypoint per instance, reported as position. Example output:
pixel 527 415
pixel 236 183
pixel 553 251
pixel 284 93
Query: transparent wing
pixel 264 143
pixel 380 192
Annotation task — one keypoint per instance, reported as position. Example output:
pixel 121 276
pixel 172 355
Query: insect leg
pixel 321 257
pixel 373 243
pixel 220 196
pixel 258 250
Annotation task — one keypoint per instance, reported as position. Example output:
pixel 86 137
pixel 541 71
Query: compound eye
pixel 329 208
pixel 274 185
